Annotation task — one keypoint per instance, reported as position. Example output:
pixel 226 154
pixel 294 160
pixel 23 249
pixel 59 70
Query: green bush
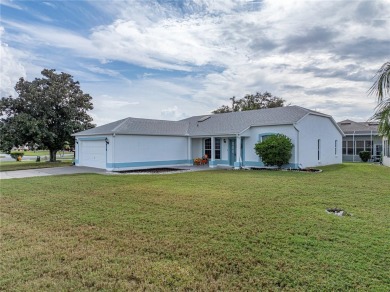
pixel 16 154
pixel 275 150
pixel 364 155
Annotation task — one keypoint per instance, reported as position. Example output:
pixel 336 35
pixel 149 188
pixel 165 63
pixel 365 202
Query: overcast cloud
pixel 174 59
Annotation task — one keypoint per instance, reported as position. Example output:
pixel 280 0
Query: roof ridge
pixel 117 127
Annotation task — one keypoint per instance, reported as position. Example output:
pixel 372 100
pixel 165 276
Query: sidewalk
pixel 49 171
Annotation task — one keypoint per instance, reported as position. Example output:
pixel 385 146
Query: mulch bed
pixel 287 169
pixel 152 170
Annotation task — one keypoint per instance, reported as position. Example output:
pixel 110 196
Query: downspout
pixel 353 147
pixel 297 147
pixel 77 156
pixel 372 146
pixel 113 151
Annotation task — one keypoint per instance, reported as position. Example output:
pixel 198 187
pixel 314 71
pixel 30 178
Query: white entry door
pixel 92 153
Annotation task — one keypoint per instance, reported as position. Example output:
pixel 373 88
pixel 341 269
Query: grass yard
pixel 37 153
pixel 45 153
pixel 28 164
pixel 212 230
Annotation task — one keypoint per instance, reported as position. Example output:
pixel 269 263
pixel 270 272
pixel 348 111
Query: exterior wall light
pixel 107 142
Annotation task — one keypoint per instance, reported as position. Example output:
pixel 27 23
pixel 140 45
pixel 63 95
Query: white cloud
pixel 258 50
pixel 11 69
pixel 290 48
pixel 10 3
pixel 172 113
pixel 51 36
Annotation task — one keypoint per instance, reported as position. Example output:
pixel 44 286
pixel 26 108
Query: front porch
pixel 221 151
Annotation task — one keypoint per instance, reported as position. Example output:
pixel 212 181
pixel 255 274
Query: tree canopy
pixel 251 102
pixel 381 88
pixel 47 111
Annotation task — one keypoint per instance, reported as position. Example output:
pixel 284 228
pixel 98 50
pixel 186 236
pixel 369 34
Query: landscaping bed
pixel 153 170
pixel 287 169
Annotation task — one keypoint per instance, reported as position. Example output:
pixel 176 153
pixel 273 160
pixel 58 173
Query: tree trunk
pixel 53 154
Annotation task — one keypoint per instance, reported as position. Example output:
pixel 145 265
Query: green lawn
pixel 31 164
pixel 212 230
pixel 37 153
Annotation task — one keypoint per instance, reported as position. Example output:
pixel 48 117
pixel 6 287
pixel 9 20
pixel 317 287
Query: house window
pixel 207 148
pixel 319 149
pixel 350 148
pixel 386 148
pixel 335 147
pixel 368 146
pixel 265 137
pixel 217 148
pixel 359 147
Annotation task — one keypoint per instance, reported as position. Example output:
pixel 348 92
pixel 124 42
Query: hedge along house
pixel 360 136
pixel 228 140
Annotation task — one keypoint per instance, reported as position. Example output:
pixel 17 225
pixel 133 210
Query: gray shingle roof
pixel 236 122
pixel 350 127
pixel 137 126
pixel 218 124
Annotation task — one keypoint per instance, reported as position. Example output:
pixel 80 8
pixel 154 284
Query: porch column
pixel 189 150
pixel 237 164
pixel 212 160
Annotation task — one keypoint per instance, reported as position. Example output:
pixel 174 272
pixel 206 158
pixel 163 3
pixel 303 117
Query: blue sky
pixel 173 59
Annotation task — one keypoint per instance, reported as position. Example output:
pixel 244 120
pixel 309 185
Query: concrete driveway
pixel 49 171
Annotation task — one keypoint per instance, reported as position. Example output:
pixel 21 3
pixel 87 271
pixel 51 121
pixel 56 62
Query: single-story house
pixel 360 136
pixel 228 140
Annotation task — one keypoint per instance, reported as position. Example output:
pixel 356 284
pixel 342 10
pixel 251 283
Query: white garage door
pixel 93 154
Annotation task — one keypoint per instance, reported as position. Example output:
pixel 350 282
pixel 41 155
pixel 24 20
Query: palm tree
pixel 381 88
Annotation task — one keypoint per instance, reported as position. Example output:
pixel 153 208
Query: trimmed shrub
pixel 16 154
pixel 364 155
pixel 275 150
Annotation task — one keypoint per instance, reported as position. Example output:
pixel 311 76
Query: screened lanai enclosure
pixel 360 136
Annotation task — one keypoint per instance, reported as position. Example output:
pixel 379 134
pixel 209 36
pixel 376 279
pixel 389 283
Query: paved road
pixel 49 171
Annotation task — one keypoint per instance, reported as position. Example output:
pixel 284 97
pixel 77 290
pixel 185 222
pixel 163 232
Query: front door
pixel 232 151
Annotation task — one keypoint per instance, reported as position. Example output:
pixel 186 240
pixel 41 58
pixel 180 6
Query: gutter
pixel 297 148
pixel 353 147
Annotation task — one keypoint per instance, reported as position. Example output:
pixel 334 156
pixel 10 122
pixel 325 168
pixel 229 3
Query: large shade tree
pixel 47 111
pixel 381 88
pixel 252 102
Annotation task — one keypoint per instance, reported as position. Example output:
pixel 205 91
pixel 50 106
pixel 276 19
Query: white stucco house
pixel 228 140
